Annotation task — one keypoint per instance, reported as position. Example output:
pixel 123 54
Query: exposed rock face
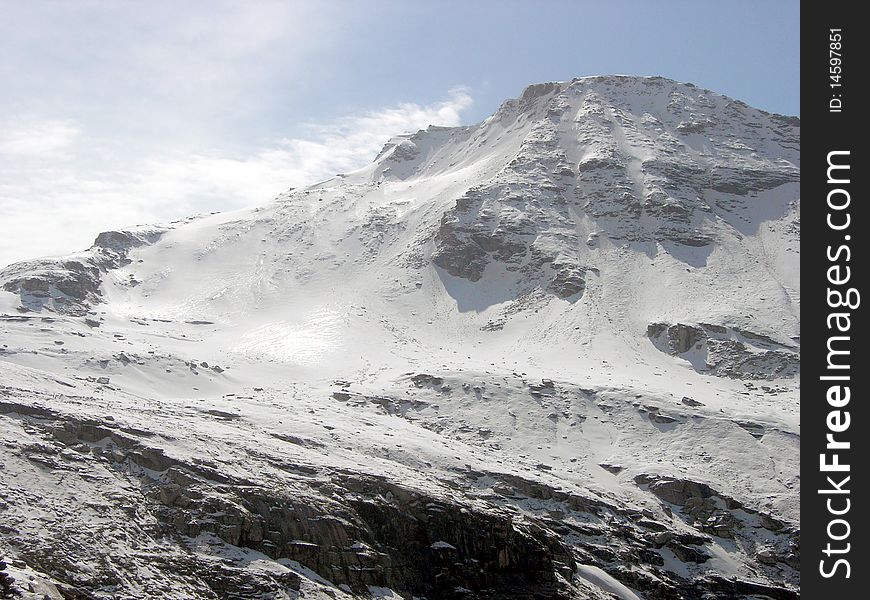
pixel 726 351
pixel 456 251
pixel 68 286
pixel 71 286
pixel 569 280
pixel 525 217
pixel 377 534
pixel 411 542
pixel 714 513
pixel 439 376
pixel 359 531
pixel 677 338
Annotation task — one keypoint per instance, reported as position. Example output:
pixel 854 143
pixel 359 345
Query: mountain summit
pixel 551 355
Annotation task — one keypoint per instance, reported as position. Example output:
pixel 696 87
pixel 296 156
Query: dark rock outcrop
pixel 72 285
pixel 725 351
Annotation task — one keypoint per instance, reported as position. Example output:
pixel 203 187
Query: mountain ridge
pixel 563 327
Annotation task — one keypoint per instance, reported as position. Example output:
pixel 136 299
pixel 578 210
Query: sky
pixel 116 113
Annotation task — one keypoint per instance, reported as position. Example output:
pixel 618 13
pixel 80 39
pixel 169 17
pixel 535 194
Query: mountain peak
pixel 513 350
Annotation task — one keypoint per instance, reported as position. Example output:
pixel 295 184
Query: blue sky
pixel 116 113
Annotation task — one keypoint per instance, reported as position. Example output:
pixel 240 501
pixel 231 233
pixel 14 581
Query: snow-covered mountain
pixel 552 355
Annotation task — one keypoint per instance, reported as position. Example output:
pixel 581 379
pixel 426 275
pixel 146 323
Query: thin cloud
pixel 51 206
pixel 36 139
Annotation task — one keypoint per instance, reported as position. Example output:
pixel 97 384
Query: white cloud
pixel 352 142
pixel 58 189
pixel 38 139
pixel 161 69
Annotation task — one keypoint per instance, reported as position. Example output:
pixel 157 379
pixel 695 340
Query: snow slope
pixel 554 355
